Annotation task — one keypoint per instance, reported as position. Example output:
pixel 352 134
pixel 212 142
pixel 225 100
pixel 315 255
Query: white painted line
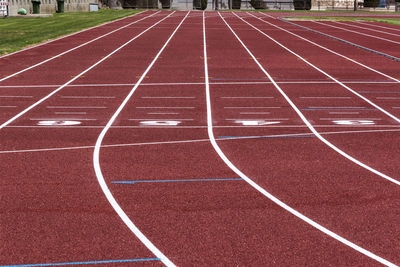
pixel 327 97
pixel 160 119
pixel 255 185
pixel 163 113
pixel 8 106
pixel 72 49
pixel 246 97
pixel 266 119
pixel 249 107
pixel 379 26
pixel 329 50
pixel 84 97
pixel 360 33
pixel 170 97
pixel 64 119
pixel 388 97
pixel 99 174
pixel 16 96
pixel 371 119
pixel 169 107
pixel 370 29
pixel 79 107
pixel 65 36
pixel 182 141
pixel 255 113
pixel 326 74
pixel 344 112
pixel 395 107
pixel 339 107
pixel 70 113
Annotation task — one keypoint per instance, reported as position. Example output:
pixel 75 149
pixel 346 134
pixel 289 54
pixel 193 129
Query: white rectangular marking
pixel 101 97
pixel 169 107
pixel 265 119
pixel 344 112
pixel 357 119
pixel 73 107
pixel 337 107
pixel 61 119
pixel 163 113
pixel 8 106
pixel 327 97
pixel 255 112
pixel 252 107
pixel 388 97
pixel 168 97
pixel 70 113
pixel 164 119
pixel 246 97
pixel 16 96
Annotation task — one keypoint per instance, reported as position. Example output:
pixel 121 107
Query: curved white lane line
pixel 68 35
pixel 356 32
pixel 74 48
pixel 256 186
pixel 355 26
pixel 326 74
pixel 99 174
pixel 329 50
pixel 79 75
pixel 304 119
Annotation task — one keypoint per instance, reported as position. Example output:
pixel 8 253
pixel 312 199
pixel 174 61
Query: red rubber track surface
pixel 53 209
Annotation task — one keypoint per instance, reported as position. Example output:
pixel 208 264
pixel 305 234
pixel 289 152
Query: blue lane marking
pixel 385 92
pixel 339 109
pixel 261 136
pixel 81 262
pixel 183 180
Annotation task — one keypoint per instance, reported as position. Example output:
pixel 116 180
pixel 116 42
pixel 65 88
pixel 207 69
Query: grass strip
pixel 17 33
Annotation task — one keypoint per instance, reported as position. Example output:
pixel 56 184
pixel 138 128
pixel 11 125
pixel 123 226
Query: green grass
pixel 395 21
pixel 17 33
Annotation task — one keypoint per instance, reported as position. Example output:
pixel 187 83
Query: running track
pixel 201 139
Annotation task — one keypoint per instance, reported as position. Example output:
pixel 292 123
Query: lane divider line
pixel 77 76
pixel 255 185
pixel 222 138
pixel 74 48
pixel 97 168
pixel 370 29
pixel 301 115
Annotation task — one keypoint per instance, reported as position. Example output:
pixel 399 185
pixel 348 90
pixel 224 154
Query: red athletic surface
pixel 53 209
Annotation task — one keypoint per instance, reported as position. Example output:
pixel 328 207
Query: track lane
pixel 56 191
pixel 312 187
pixel 208 212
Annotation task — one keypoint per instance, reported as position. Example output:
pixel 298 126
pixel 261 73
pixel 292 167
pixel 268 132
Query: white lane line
pixel 329 50
pixel 163 113
pixel 168 107
pixel 379 26
pixel 97 168
pixel 160 119
pixel 246 97
pixel 73 107
pixel 360 118
pixel 16 96
pixel 344 112
pixel 187 141
pixel 87 97
pixel 323 72
pixel 268 119
pixel 255 113
pixel 70 113
pixel 195 83
pixel 301 115
pixel 325 97
pixel 72 49
pixel 360 33
pixel 370 29
pixel 388 97
pixel 64 119
pixel 170 97
pixel 248 107
pixel 65 36
pixel 256 186
pixel 79 75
